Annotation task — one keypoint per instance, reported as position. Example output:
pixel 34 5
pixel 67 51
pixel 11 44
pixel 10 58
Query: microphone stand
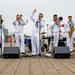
pixel 47 29
pixel 39 39
pixel 1 38
pixel 50 54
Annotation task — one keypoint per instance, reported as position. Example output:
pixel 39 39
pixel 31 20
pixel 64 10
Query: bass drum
pixel 42 48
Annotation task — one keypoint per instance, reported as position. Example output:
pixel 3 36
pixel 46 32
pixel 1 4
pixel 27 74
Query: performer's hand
pixel 34 11
pixel 57 20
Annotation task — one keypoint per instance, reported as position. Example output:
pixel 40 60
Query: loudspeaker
pixel 64 39
pixel 61 43
pixel 61 52
pixel 11 52
pixel 0 45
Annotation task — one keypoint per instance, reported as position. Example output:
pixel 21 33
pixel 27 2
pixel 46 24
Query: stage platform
pixel 37 66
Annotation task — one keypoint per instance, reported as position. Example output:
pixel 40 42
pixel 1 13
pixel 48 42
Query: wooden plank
pixel 3 64
pixel 11 67
pixel 48 67
pixel 23 68
pixel 35 67
pixel 72 61
pixel 63 70
pixel 1 60
pixel 68 64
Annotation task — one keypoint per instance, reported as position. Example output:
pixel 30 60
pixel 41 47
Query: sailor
pixel 54 28
pixel 19 34
pixel 67 28
pixel 2 26
pixel 35 36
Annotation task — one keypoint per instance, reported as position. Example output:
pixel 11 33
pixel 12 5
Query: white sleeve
pixel 14 23
pixel 50 28
pixel 66 28
pixel 59 24
pixel 3 25
pixel 74 26
pixel 51 25
pixel 23 23
pixel 32 17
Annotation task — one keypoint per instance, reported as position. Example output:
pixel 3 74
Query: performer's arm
pixel 2 26
pixel 66 28
pixel 74 25
pixel 14 23
pixel 32 16
pixel 59 24
pixel 51 25
pixel 23 23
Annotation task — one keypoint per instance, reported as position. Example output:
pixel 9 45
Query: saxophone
pixel 71 30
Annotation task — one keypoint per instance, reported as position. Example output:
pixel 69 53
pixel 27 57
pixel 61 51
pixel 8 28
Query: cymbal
pixel 43 32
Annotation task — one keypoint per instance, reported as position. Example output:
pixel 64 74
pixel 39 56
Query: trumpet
pixel 60 19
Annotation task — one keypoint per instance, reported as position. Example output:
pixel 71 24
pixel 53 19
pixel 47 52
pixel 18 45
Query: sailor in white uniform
pixel 54 28
pixel 19 34
pixel 67 28
pixel 2 26
pixel 35 37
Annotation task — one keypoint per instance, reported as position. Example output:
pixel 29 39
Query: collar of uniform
pixel 18 20
pixel 39 20
pixel 69 22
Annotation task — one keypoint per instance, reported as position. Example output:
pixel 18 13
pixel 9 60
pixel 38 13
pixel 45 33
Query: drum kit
pixel 44 40
pixel 45 45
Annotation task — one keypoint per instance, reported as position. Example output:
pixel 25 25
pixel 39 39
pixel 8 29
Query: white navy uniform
pixel 67 28
pixel 19 34
pixel 3 26
pixel 35 36
pixel 55 31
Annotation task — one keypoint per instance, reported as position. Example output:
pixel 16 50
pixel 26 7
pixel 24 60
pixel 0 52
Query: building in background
pixel 5 34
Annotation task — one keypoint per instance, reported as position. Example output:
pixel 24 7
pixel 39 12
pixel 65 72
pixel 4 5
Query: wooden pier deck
pixel 37 66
